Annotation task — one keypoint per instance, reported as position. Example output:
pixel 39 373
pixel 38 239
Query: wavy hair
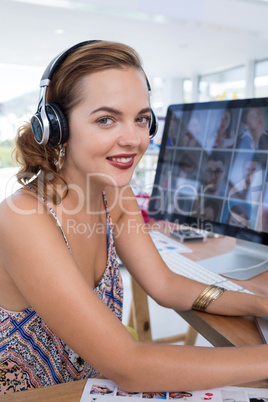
pixel 39 163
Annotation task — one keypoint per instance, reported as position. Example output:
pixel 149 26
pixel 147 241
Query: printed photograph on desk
pixel 102 387
pixel 154 395
pixel 164 243
pixel 97 390
pixel 102 390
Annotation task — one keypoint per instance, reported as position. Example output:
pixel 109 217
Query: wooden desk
pixel 221 330
pixel 68 392
pixel 218 330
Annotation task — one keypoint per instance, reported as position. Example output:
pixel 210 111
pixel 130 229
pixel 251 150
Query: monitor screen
pixel 212 171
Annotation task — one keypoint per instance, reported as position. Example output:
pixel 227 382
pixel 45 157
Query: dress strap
pixel 108 218
pixel 52 213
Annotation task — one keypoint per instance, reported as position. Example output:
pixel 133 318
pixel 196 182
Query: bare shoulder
pixel 15 208
pixel 25 220
pixel 31 246
pixel 21 215
pixel 22 198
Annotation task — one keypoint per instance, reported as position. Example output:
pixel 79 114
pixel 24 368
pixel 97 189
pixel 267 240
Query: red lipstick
pixel 122 161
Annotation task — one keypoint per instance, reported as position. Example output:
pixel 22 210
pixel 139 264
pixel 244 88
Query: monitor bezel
pixel 196 222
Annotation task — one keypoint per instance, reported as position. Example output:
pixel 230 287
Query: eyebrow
pixel 118 112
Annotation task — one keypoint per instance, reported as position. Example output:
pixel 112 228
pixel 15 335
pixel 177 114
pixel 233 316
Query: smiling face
pixel 254 119
pixel 109 128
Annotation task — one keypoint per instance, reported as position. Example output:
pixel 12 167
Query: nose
pixel 129 135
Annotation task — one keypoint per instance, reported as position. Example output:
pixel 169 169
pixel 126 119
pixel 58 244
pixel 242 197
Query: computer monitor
pixel 212 174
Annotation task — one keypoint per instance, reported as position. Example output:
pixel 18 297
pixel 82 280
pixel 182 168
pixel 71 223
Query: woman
pixel 223 137
pixel 61 290
pixel 193 136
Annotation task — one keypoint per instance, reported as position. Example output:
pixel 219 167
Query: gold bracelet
pixel 206 297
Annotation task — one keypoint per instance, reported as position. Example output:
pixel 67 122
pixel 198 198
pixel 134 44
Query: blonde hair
pixel 64 89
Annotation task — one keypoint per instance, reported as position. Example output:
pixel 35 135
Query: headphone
pixel 49 124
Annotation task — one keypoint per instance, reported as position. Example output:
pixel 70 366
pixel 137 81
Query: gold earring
pixel 61 157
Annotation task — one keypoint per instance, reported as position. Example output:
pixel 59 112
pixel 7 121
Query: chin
pixel 118 181
pixel 121 183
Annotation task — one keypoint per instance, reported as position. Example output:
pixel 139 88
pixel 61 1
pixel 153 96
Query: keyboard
pixel 184 266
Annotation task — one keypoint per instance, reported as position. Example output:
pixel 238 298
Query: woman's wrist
pixel 210 294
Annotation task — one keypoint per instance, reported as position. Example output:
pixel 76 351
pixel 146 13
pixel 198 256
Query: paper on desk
pixel 97 390
pixel 164 243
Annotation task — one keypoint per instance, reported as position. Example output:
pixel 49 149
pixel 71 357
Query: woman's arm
pixel 36 258
pixel 139 255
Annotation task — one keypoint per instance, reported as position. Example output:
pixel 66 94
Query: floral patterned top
pixel 31 355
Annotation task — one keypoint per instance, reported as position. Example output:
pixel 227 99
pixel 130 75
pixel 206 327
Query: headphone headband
pixel 58 60
pixel 49 124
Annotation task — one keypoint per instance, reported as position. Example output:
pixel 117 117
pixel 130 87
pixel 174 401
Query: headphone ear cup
pixel 37 127
pixel 58 125
pixel 153 125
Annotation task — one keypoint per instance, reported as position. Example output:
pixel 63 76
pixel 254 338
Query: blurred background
pixel 192 50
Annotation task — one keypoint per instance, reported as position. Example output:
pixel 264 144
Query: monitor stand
pixel 246 260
